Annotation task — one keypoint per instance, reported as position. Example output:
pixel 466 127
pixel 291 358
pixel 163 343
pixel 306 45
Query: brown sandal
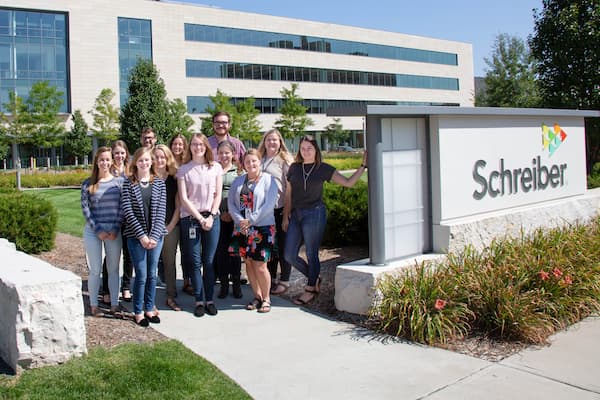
pixel 280 288
pixel 309 296
pixel 171 303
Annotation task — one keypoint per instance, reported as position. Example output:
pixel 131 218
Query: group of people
pixel 220 204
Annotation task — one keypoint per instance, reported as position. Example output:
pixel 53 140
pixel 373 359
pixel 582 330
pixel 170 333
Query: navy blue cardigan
pixel 133 210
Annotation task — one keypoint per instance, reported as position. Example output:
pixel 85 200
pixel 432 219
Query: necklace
pixel 251 183
pixel 267 161
pixel 144 184
pixel 305 174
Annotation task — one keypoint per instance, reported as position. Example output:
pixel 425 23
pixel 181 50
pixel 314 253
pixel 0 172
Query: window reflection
pixel 247 37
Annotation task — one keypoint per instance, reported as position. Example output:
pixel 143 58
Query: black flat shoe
pixel 142 322
pixel 155 319
pixel 199 310
pixel 211 309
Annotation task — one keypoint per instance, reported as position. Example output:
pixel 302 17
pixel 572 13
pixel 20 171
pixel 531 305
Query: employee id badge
pixel 192 232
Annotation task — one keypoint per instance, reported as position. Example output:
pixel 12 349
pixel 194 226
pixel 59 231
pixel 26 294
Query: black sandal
pixel 254 304
pixel 265 307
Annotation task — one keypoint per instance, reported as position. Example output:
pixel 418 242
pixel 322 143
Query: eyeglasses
pixel 220 122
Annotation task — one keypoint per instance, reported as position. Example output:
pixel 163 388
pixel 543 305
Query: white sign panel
pixel 495 163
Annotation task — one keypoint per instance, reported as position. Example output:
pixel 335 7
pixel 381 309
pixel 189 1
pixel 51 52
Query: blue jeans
pixel 307 225
pixel 93 252
pixel 198 254
pixel 145 263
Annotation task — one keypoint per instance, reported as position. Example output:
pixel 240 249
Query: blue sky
pixel 473 21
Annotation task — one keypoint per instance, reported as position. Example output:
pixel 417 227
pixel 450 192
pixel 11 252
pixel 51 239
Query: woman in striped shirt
pixel 101 207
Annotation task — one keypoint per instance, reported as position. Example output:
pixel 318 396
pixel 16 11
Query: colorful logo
pixel 552 138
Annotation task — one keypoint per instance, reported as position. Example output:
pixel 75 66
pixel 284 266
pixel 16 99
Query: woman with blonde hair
pixel 276 160
pixel 166 167
pixel 144 199
pixel 101 207
pixel 251 201
pixel 200 182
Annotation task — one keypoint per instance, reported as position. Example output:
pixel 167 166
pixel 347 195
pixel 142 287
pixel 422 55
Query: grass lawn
pixel 164 370
pixel 68 205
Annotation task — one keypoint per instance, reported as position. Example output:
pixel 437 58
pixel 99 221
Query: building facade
pixel 84 46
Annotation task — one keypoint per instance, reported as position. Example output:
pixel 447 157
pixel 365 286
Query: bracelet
pixel 364 166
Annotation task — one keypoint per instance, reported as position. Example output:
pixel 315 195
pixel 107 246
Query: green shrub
pixel 419 306
pixel 27 221
pixel 593 180
pixel 347 214
pixel 44 179
pixel 522 289
pixel 344 161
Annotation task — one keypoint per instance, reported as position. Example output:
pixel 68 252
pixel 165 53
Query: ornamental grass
pixel 522 289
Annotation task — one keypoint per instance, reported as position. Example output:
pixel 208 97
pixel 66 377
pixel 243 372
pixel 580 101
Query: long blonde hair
pixel 283 152
pixel 134 170
pixel 171 163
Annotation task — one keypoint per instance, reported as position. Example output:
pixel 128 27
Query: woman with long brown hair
pixel 101 207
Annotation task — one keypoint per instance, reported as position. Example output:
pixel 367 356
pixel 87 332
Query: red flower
pixel 544 275
pixel 567 280
pixel 557 273
pixel 440 304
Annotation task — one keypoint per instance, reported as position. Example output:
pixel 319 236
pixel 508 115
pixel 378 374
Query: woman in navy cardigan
pixel 251 202
pixel 144 199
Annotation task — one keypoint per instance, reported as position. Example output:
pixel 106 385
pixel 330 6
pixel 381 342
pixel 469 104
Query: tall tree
pixel 221 102
pixel 247 122
pixel 77 141
pixel 566 46
pixel 510 76
pixel 147 104
pixel 178 121
pixel 293 120
pixel 105 116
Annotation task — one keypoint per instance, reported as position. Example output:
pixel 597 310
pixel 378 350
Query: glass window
pixel 308 43
pixel 135 41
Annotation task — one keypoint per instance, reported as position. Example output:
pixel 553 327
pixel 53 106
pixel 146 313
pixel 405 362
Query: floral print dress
pixel 258 244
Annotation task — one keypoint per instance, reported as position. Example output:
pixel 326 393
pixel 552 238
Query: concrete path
pixel 294 354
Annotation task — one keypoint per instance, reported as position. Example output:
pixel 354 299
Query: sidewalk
pixel 293 354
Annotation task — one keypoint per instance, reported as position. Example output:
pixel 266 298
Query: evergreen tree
pixel 106 117
pixel 147 105
pixel 566 46
pixel 510 76
pixel 293 120
pixel 77 141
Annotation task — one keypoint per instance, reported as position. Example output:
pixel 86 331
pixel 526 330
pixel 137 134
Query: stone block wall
pixel 41 311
